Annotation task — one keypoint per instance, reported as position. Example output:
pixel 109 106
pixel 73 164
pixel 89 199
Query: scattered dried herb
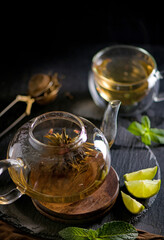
pixel 69 95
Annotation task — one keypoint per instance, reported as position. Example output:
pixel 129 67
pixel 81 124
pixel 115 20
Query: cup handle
pixel 13 194
pixel 160 96
pixel 99 101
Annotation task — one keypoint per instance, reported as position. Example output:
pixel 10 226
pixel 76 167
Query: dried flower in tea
pixel 73 158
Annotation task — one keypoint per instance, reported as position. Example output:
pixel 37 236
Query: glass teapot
pixel 58 157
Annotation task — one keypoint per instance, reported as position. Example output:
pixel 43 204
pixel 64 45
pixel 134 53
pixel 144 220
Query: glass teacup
pixel 126 73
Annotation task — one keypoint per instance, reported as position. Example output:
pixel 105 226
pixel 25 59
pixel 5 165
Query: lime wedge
pixel 131 204
pixel 143 174
pixel 143 188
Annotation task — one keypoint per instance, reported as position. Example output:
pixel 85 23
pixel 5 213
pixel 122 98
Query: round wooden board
pixel 87 209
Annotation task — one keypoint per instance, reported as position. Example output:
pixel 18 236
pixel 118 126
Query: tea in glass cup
pixel 126 73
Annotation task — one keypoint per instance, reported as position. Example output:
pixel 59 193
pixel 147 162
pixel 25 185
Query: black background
pixel 35 31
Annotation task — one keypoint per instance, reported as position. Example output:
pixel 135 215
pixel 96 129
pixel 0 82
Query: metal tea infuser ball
pixel 42 89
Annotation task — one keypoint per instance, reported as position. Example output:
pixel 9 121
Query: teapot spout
pixel 109 122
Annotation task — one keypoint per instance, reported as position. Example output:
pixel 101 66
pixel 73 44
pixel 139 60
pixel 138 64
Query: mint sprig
pixel 145 131
pixel 115 230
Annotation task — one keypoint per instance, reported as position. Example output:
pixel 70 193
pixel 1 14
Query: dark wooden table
pixel 74 64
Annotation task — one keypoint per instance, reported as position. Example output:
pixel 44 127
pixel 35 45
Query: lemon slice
pixel 143 188
pixel 131 204
pixel 147 173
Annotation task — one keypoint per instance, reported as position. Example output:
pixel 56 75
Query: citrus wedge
pixel 131 204
pixel 143 188
pixel 143 174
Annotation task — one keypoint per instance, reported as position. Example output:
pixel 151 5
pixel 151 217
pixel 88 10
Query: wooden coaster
pixel 87 209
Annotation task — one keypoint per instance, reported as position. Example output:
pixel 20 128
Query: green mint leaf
pixel 145 121
pixel 75 233
pixel 117 230
pixel 146 138
pixel 146 133
pixel 93 234
pixel 157 135
pixel 136 128
pixel 157 131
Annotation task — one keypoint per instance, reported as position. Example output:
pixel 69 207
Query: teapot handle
pixel 13 194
